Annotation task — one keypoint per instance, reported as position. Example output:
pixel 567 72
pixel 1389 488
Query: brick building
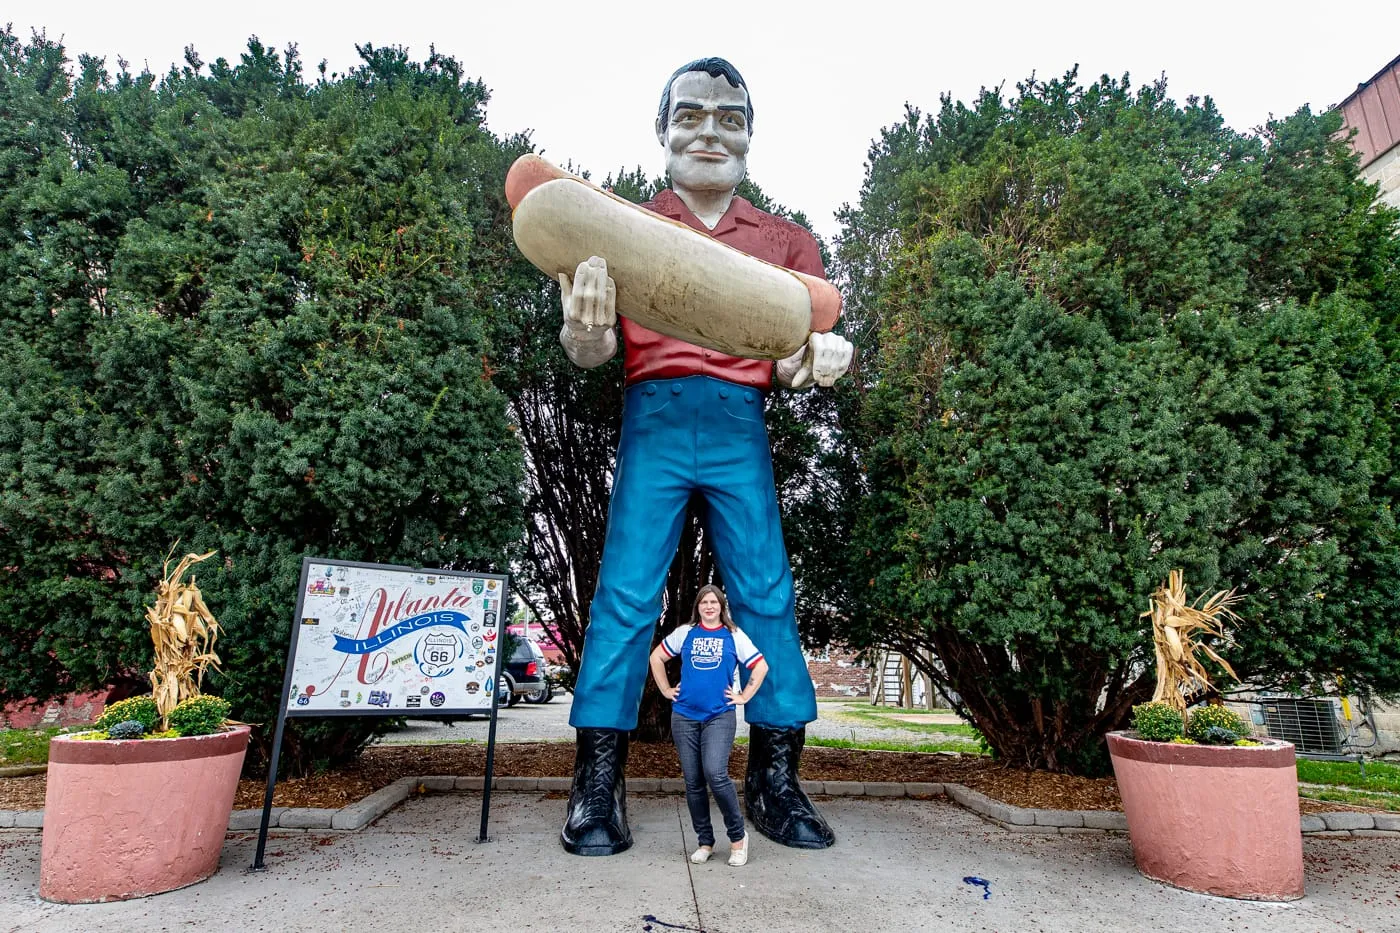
pixel 836 672
pixel 1373 111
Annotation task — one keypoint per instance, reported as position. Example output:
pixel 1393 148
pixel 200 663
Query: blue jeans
pixel 682 437
pixel 704 751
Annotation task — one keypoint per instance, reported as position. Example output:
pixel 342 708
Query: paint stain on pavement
pixel 982 882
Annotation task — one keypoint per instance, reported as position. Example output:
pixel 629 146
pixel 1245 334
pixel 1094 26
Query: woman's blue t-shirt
pixel 710 660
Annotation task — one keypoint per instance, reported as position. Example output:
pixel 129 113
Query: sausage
pixel 670 277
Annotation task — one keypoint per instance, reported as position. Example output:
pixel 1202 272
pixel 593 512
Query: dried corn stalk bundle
pixel 183 631
pixel 1177 628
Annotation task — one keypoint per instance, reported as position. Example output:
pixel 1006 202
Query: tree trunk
pixel 1024 728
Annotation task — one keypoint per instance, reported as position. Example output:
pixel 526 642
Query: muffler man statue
pixel 693 424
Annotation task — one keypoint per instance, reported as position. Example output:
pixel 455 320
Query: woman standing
pixel 711 649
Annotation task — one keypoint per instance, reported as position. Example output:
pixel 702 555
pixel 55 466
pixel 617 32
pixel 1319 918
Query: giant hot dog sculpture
pixel 670 277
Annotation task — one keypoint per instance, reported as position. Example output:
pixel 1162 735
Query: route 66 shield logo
pixel 436 653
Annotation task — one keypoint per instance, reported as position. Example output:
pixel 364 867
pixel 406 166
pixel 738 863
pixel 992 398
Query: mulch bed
pixel 385 764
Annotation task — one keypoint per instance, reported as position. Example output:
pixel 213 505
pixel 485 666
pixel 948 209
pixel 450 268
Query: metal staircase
pixel 891 677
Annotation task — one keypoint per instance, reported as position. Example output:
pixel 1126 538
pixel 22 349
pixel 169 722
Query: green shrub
pixel 1157 722
pixel 1205 718
pixel 199 716
pixel 141 709
pixel 1219 735
pixel 131 729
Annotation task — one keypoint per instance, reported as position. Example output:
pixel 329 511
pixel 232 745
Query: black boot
pixel 597 821
pixel 776 804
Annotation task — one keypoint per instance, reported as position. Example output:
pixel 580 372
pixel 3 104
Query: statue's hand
pixel 590 311
pixel 824 359
pixel 590 300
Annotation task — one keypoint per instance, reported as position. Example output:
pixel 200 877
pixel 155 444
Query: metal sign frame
pixel 285 710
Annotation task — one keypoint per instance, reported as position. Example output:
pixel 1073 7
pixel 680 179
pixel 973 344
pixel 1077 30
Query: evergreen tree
pixel 1110 338
pixel 248 312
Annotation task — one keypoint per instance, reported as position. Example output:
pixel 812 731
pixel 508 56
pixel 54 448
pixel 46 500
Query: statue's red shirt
pixel 649 355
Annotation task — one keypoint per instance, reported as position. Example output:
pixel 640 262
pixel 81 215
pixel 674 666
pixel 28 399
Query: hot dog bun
pixel 670 278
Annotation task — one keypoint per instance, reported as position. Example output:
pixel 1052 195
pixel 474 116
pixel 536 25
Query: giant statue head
pixel 704 122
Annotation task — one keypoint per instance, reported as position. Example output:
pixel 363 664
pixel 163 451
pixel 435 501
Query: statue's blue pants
pixel 680 437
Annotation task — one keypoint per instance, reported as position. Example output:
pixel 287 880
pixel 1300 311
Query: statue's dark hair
pixel 715 68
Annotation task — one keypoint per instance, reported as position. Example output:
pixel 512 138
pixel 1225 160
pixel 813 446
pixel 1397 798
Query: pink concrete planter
pixel 1214 819
pixel 128 819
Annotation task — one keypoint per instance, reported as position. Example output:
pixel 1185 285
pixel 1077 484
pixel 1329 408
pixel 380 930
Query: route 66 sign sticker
pixel 436 653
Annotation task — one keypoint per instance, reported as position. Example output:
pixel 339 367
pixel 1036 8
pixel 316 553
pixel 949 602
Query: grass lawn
pixel 1353 797
pixel 25 746
pixel 967 748
pixel 1380 775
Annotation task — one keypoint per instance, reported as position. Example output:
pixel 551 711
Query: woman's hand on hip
pixel 735 696
pixel 670 692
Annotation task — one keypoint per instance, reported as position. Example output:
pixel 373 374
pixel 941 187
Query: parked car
pixel 524 677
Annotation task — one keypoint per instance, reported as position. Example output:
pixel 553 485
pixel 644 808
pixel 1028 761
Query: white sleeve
pixel 674 642
pixel 749 655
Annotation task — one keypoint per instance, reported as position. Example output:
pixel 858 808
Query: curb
pixel 358 815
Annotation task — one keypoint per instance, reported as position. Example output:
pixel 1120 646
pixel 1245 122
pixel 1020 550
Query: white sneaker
pixel 739 857
pixel 701 855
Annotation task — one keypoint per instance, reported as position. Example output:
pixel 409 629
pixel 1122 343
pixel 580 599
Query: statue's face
pixel 706 133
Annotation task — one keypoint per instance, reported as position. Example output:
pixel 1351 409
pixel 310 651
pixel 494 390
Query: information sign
pixel 371 639
pixel 380 640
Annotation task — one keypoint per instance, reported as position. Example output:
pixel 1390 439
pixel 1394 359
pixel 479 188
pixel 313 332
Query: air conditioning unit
pixel 1312 725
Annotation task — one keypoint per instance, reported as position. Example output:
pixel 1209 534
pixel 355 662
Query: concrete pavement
pixel 897 866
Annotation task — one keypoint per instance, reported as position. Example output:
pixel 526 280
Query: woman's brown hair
pixel 724 615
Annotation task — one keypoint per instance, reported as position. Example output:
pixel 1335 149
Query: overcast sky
pixel 585 78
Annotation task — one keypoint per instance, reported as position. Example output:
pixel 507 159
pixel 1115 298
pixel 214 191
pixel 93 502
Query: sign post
pixel 383 640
